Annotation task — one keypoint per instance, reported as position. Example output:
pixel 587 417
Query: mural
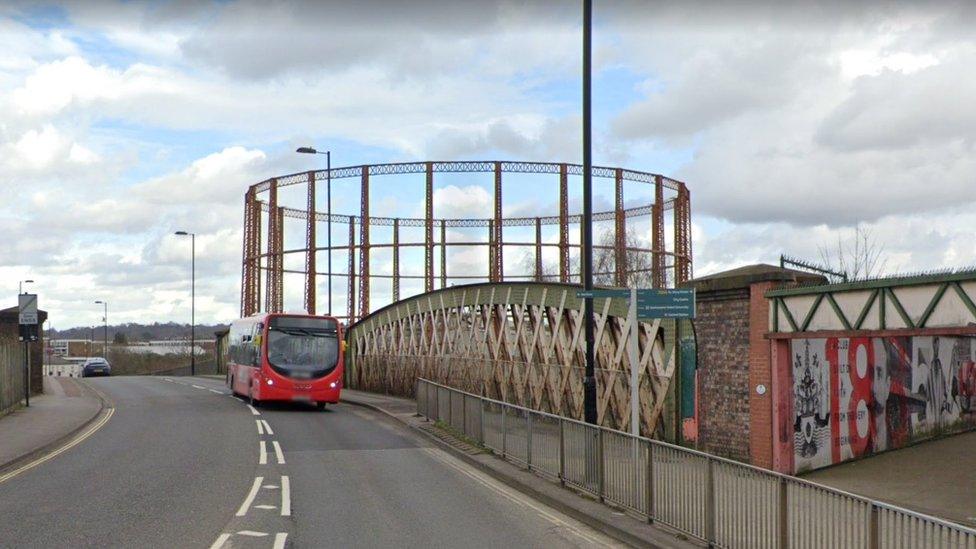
pixel 850 397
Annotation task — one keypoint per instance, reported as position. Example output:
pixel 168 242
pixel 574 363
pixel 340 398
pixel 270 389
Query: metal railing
pixel 717 500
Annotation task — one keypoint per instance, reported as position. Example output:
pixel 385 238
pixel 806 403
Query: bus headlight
pixel 332 385
pixel 270 381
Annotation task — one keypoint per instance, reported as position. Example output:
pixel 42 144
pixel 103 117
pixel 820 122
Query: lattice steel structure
pixel 521 343
pixel 264 256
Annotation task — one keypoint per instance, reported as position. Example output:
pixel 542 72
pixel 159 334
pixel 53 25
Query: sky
pixel 791 123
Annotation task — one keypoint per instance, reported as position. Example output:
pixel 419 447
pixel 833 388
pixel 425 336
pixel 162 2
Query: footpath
pixel 67 406
pixel 585 509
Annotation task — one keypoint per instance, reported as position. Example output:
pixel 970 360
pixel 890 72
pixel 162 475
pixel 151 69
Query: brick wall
pixel 760 373
pixel 723 331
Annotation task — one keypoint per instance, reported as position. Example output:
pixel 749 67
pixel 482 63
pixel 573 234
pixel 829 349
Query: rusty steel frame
pixel 310 244
pixel 364 248
pixel 667 267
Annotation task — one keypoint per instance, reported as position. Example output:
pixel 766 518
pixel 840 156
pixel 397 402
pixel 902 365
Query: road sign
pixel 603 294
pixel 28 308
pixel 679 303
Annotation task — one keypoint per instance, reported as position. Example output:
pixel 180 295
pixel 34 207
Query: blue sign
pixel 678 303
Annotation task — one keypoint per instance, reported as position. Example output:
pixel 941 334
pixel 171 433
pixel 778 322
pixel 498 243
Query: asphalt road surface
pixel 181 463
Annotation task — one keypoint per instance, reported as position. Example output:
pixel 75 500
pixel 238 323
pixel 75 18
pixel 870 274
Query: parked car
pixel 96 366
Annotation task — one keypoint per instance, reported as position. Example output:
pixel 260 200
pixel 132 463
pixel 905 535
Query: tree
pixel 860 255
pixel 120 339
pixel 639 263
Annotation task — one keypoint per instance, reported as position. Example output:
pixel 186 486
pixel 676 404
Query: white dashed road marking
pixel 250 497
pixel 279 542
pixel 278 453
pixel 252 533
pixel 221 539
pixel 198 387
pixel 215 391
pixel 263 454
pixel 285 497
pixel 263 427
pixel 253 411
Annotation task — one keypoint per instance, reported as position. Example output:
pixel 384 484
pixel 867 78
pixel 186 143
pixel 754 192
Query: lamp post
pixel 22 282
pixel 193 299
pixel 328 209
pixel 105 322
pixel 589 379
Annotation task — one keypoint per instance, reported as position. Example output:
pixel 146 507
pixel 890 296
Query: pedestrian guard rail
pixel 719 501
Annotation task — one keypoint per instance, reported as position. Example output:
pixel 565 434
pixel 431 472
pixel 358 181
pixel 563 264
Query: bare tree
pixel 639 263
pixel 860 255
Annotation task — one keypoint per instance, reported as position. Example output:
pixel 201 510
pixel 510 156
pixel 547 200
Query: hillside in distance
pixel 132 332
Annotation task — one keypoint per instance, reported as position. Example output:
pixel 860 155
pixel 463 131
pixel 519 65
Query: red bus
pixel 285 357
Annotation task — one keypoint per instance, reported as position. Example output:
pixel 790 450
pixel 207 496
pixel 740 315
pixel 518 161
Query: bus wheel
pixel 320 406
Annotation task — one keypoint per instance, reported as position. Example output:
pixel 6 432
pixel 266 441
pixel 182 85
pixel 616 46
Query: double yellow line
pixel 71 444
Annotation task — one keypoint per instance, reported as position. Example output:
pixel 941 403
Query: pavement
pixel 934 477
pixel 182 463
pixel 599 516
pixel 65 408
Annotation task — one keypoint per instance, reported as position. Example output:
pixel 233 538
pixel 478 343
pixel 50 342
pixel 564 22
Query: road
pixel 181 463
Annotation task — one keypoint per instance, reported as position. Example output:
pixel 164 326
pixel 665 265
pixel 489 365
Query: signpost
pixel 28 332
pixel 646 304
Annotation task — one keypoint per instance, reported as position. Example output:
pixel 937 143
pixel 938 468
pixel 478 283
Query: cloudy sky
pixel 123 122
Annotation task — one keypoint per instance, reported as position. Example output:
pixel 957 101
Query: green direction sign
pixel 679 303
pixel 603 294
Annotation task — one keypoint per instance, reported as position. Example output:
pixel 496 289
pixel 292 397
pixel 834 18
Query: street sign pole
pixel 27 319
pixel 589 376
pixel 634 370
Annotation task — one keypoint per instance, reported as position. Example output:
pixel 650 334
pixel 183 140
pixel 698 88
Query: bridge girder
pixel 517 342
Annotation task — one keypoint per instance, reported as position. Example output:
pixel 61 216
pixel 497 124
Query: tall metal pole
pixel 328 210
pixel 193 303
pixel 589 380
pixel 105 330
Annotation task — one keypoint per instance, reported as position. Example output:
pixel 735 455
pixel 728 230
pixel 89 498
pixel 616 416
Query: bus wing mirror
pixel 257 340
pixel 343 345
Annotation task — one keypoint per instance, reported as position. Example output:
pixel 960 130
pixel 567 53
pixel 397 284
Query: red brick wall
pixel 722 327
pixel 760 373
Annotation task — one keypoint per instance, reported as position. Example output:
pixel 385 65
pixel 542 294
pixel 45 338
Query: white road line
pixel 267 428
pixel 216 391
pixel 278 453
pixel 250 497
pixel 260 426
pixel 285 497
pixel 77 440
pixel 263 456
pixel 264 506
pixel 505 492
pixel 252 533
pixel 221 539
pixel 279 542
pixel 253 411
pixel 198 387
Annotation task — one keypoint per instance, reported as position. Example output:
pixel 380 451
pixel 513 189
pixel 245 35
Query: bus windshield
pixel 303 348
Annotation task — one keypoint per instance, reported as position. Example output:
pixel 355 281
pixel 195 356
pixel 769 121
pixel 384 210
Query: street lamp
pixel 105 321
pixel 22 282
pixel 193 299
pixel 328 208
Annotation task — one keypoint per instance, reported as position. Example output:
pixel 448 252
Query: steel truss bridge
pixel 519 342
